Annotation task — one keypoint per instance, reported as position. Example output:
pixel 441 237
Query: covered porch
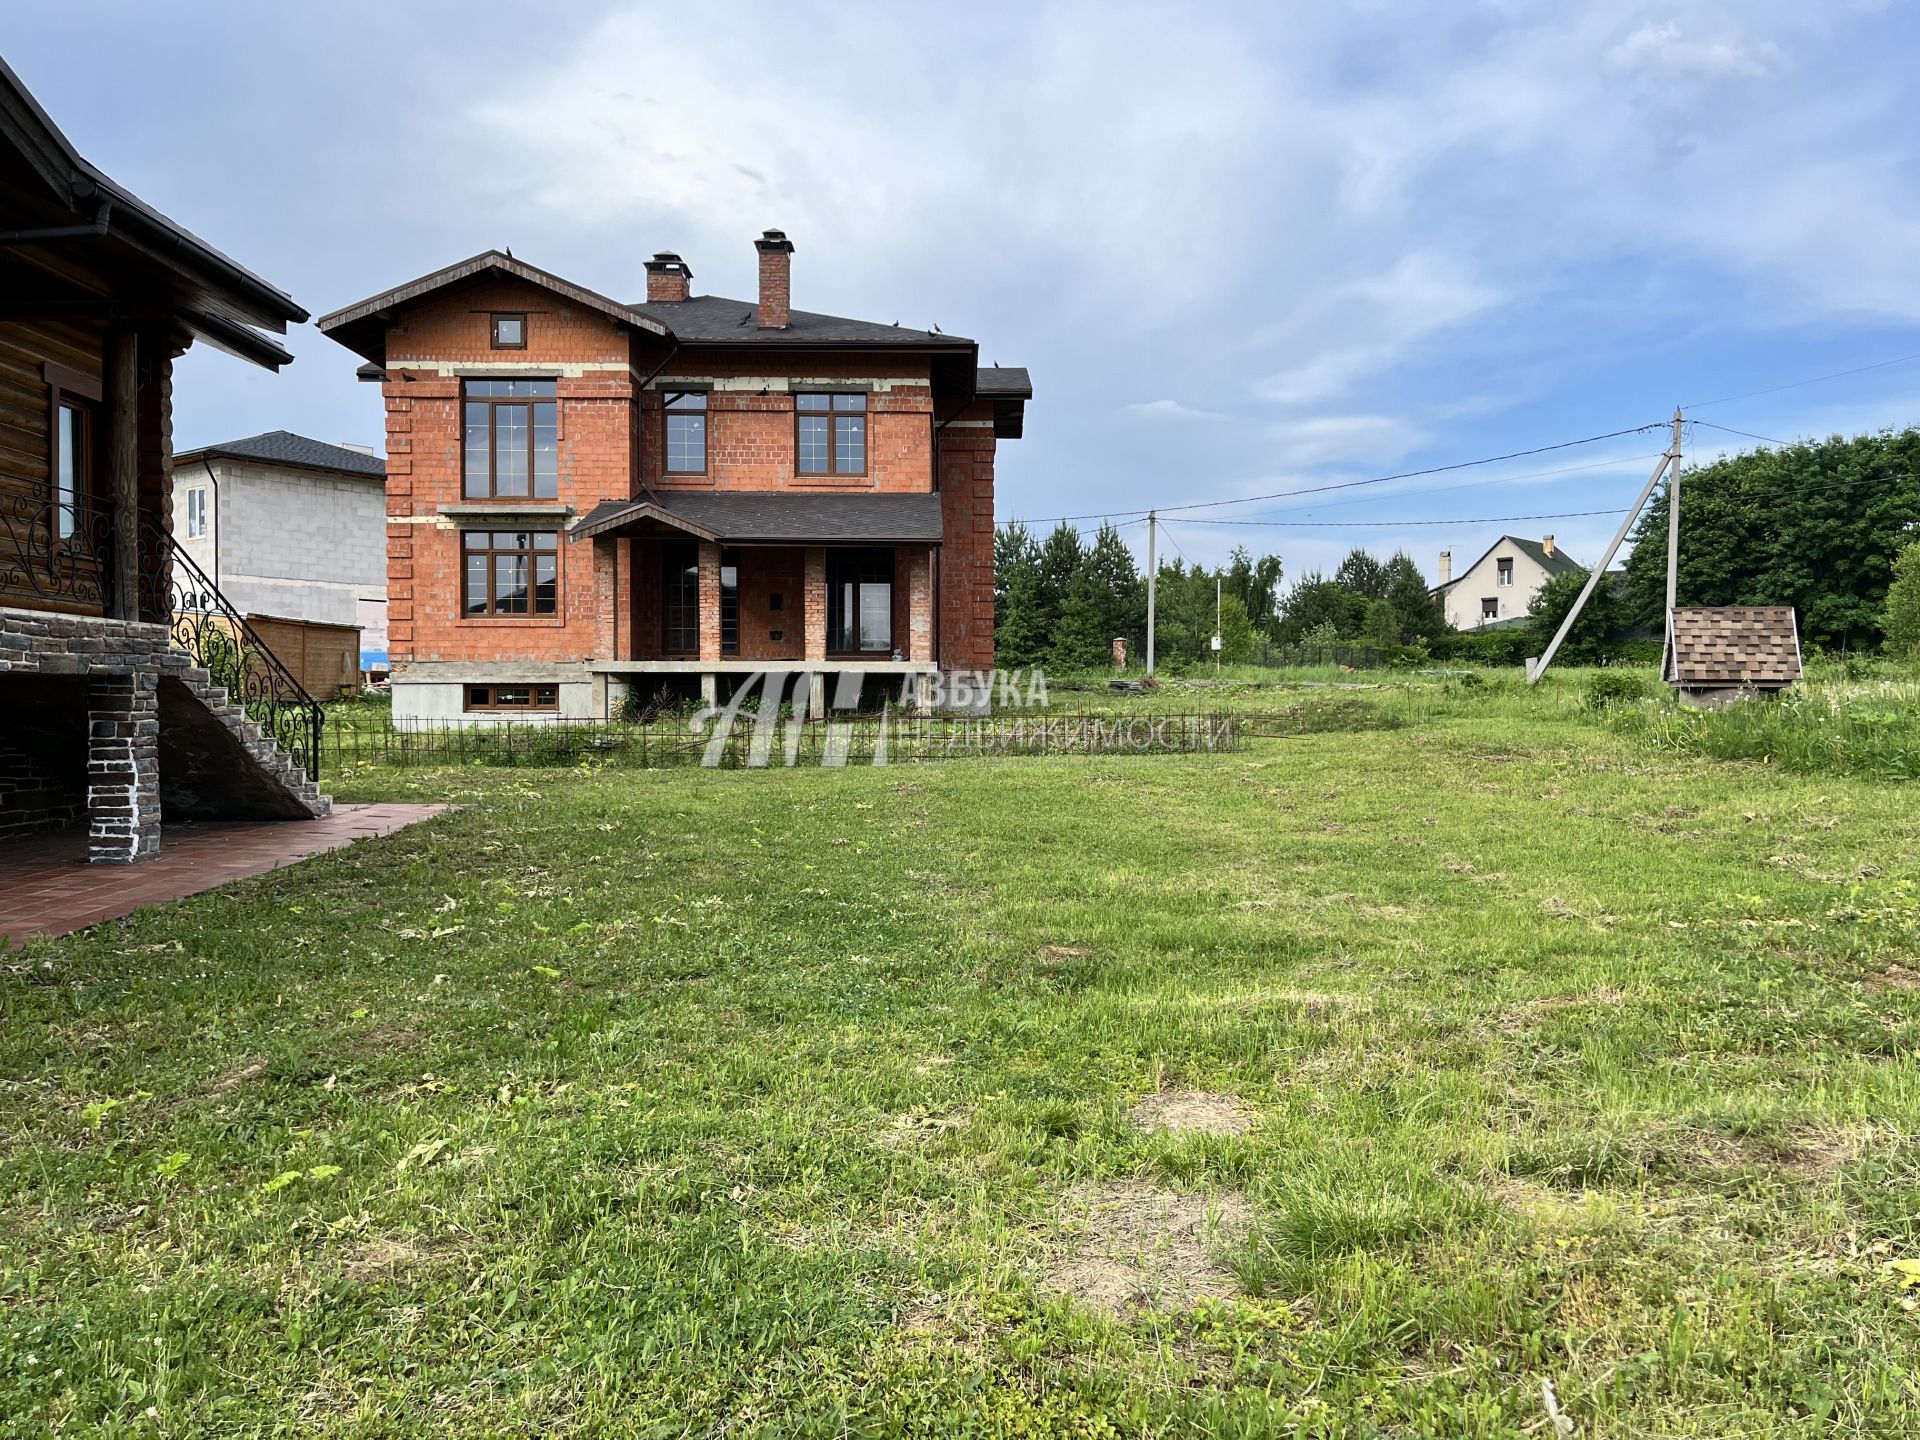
pixel 719 587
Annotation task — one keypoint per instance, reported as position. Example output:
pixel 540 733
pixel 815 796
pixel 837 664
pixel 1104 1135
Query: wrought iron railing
pixel 221 642
pixel 56 553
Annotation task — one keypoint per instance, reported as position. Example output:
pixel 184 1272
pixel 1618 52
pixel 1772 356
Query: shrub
pixel 1611 687
pixel 1901 615
pixel 1484 647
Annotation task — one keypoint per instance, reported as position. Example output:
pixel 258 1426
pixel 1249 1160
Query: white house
pixel 290 528
pixel 1499 587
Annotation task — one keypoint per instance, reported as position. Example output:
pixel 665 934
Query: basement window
pixel 510 332
pixel 513 697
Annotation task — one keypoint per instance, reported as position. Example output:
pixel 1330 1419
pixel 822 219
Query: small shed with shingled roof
pixel 1720 653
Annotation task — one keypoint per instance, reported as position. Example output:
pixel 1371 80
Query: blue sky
pixel 1243 249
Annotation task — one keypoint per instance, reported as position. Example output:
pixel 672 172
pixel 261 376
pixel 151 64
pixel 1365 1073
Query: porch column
pixel 709 601
pixel 121 454
pixel 814 602
pixel 920 605
pixel 606 597
pixel 123 767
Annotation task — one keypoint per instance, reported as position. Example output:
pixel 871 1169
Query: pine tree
pixel 1122 601
pixel 1080 641
pixel 1421 616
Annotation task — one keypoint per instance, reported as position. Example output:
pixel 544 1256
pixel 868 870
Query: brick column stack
pixel 814 602
pixel 709 601
pixel 123 767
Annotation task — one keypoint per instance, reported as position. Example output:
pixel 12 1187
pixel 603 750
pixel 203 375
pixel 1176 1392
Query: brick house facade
pixel 587 498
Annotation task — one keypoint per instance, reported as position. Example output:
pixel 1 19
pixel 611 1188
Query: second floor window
pixel 830 434
pixel 196 514
pixel 513 574
pixel 512 433
pixel 1504 568
pixel 72 466
pixel 686 432
pixel 509 332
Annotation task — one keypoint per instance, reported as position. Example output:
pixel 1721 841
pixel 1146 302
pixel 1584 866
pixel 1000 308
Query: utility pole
pixel 1216 627
pixel 1670 467
pixel 1153 581
pixel 1673 516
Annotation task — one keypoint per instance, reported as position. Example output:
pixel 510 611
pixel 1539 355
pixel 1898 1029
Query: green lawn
pixel 1491 1049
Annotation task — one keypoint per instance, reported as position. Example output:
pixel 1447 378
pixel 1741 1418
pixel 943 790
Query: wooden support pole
pixel 120 454
pixel 1537 668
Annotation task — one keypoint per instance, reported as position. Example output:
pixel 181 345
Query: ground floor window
pixel 1489 608
pixel 729 602
pixel 680 597
pixel 513 697
pixel 513 574
pixel 859 601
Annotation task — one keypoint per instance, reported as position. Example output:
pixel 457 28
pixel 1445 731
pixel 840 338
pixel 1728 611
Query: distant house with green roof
pixel 1498 588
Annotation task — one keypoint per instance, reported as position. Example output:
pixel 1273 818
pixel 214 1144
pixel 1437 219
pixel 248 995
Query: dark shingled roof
pixel 746 517
pixel 1732 645
pixel 283 447
pixel 1005 380
pixel 716 320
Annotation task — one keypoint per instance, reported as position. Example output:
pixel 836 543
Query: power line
pixel 1763 439
pixel 1395 524
pixel 1346 484
pixel 1796 384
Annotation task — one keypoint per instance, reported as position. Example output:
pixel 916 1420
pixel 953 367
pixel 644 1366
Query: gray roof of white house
pixel 283 447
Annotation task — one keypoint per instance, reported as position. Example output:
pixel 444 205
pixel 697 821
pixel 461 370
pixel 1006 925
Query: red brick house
pixel 588 498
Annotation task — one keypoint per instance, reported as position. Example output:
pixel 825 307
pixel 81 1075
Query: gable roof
pixel 283 447
pixel 215 298
pixel 749 517
pixel 716 320
pixel 1732 645
pixel 362 326
pixel 1558 563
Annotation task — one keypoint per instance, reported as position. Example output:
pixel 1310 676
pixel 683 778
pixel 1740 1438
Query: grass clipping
pixel 1124 1245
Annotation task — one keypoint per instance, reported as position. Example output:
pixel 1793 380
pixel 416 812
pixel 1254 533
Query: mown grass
pixel 628 1103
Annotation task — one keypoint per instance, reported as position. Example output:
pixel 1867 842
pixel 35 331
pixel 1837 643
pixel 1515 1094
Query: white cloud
pixel 1664 50
pixel 1173 410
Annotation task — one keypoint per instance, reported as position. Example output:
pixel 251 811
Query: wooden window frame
pixel 856 555
pixel 833 415
pixel 491 704
pixel 69 389
pixel 493 404
pixel 493 329
pixel 667 397
pixel 532 552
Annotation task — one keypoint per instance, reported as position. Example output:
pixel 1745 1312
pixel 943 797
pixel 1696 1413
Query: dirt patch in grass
pixel 1895 977
pixel 1197 1112
pixel 379 1257
pixel 1521 1016
pixel 1062 954
pixel 234 1079
pixel 918 1128
pixel 1124 1245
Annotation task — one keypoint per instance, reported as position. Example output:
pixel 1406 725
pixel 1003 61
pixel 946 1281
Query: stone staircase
pixel 216 763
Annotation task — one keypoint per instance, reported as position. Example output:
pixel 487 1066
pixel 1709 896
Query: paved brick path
pixel 47 886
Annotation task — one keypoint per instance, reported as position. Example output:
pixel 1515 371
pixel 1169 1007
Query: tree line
pixel 1062 601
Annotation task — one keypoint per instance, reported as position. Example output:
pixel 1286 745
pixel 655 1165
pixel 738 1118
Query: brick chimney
pixel 776 279
pixel 1546 544
pixel 1446 566
pixel 667 277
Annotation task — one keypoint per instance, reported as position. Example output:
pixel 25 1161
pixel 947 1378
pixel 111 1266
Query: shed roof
pixel 744 517
pixel 1756 645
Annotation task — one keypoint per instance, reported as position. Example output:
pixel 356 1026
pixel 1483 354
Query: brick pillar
pixel 123 768
pixel 709 601
pixel 920 605
pixel 813 602
pixel 606 597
